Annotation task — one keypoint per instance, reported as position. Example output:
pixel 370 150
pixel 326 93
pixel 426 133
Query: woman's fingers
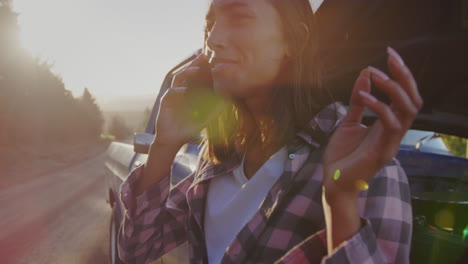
pixel 179 78
pixel 173 97
pixel 383 111
pixel 402 89
pixel 402 105
pixel 356 108
pixel 192 68
pixel 402 74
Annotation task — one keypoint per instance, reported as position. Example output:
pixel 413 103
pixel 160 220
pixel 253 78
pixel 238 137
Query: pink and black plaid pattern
pixel 289 226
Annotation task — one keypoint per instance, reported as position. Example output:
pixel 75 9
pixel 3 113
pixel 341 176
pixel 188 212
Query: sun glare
pixel 40 32
pixel 110 45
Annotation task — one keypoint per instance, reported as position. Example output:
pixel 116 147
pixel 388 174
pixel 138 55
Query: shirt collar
pixel 316 134
pixel 322 125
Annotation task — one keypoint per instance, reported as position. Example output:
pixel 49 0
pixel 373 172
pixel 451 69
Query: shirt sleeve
pixel 154 222
pixel 385 233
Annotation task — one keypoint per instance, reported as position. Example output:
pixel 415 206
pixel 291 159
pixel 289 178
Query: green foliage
pixel 92 114
pixel 456 145
pixel 34 104
pixel 119 129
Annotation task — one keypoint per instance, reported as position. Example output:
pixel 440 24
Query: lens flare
pixel 202 104
pixel 362 185
pixel 465 233
pixel 337 175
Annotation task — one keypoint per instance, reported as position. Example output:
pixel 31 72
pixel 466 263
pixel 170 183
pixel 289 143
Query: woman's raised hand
pixel 173 124
pixel 359 152
pixel 174 128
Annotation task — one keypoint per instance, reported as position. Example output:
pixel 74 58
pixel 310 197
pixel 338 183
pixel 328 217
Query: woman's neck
pixel 256 113
pixel 261 135
pixel 261 141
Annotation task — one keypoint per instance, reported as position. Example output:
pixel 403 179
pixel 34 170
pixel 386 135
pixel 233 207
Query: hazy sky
pixel 112 46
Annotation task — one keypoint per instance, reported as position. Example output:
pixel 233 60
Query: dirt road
pixel 57 218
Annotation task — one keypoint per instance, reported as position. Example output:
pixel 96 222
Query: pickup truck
pixel 123 158
pixel 436 50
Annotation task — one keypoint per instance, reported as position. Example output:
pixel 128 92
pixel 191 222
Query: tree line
pixel 35 106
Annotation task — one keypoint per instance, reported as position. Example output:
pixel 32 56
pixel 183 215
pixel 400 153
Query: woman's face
pixel 247 45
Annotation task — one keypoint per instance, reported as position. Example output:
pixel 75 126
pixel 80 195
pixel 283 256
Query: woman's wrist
pixel 340 209
pixel 158 165
pixel 335 195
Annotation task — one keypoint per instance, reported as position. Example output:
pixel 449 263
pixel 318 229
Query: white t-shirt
pixel 233 200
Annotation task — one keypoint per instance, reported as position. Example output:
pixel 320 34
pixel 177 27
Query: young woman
pixel 284 176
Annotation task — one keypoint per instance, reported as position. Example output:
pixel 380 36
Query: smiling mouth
pixel 216 61
pixel 220 64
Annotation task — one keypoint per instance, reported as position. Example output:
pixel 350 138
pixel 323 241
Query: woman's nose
pixel 216 40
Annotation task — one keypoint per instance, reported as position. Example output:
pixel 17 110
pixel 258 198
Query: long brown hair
pixel 297 96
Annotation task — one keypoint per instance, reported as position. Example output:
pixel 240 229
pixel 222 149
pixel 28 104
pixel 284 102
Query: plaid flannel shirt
pixel 289 226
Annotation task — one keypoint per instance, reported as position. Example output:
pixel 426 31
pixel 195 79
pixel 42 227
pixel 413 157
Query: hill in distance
pixel 130 108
